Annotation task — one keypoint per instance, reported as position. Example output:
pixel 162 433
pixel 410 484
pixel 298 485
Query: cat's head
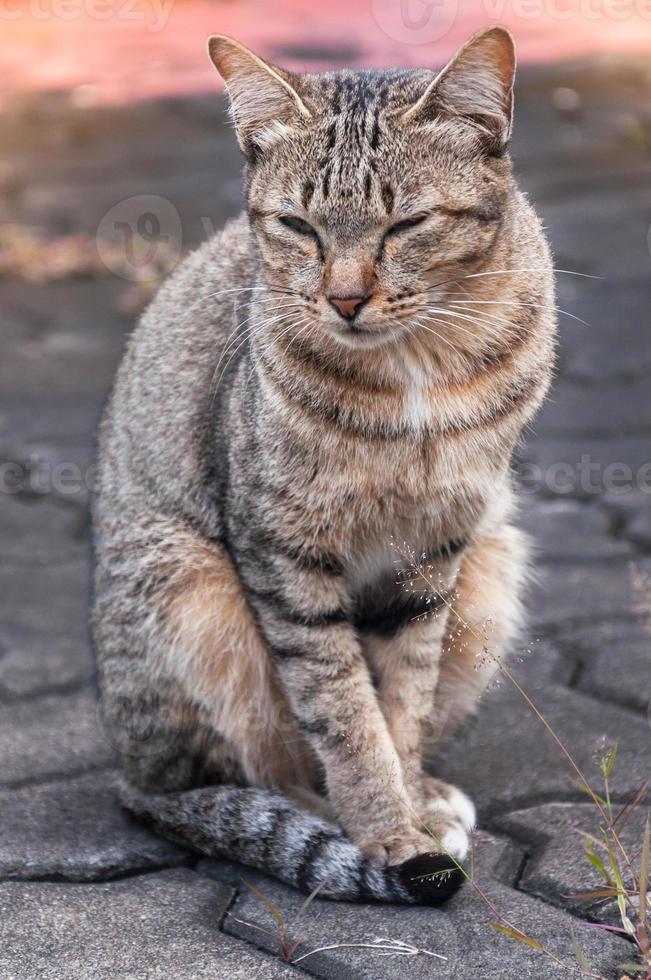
pixel 366 189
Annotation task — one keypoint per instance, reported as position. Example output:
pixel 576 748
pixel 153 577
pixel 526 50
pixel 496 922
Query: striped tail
pixel 269 832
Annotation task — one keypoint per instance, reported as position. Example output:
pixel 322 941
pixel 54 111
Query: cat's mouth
pixel 366 335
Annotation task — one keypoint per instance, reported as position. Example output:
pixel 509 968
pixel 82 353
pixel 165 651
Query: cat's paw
pixel 397 845
pixel 410 844
pixel 440 797
pixel 449 815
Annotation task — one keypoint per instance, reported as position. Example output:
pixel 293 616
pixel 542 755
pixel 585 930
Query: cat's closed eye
pixel 298 225
pixel 405 225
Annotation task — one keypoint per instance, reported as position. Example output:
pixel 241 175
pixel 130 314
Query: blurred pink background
pixel 115 51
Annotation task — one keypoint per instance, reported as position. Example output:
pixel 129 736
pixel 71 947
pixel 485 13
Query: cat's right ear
pixel 264 102
pixel 476 85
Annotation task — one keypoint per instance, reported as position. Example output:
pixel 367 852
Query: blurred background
pixel 116 159
pixel 116 51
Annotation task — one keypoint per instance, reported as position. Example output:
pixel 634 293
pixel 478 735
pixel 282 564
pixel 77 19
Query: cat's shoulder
pixel 182 330
pixel 209 277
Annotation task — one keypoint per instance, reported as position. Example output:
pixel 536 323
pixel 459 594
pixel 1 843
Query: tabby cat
pixel 321 401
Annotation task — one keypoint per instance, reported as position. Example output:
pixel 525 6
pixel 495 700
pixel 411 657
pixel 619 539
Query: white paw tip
pixel 439 806
pixel 455 842
pixel 463 808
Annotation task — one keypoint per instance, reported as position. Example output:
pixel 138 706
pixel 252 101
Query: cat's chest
pixel 391 586
pixel 400 484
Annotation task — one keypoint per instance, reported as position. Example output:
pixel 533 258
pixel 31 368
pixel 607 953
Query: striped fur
pixel 269 668
pixel 267 831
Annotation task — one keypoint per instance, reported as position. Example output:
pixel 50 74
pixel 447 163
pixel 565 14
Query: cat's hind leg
pixel 181 659
pixel 179 650
pixel 483 624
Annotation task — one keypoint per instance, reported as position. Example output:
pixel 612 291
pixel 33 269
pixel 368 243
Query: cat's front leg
pixel 325 678
pixel 405 664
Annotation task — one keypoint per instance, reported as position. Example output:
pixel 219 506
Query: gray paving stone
pixel 611 346
pixel 625 505
pixel 573 223
pixel 81 305
pixel 65 340
pixel 557 867
pixel 585 467
pixel 638 528
pixel 47 446
pixel 539 659
pixel 573 145
pixel 76 829
pixel 41 530
pixel 50 736
pixel 15 327
pixel 158 926
pixel 632 511
pixel 614 661
pixel 170 129
pixel 52 598
pixel 49 464
pixel 566 530
pixel 611 407
pixel 37 442
pixel 505 759
pixel 36 663
pixel 460 931
pixel 47 418
pixel 578 593
pixel 78 193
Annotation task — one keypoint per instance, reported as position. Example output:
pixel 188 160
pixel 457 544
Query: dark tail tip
pixel 430 879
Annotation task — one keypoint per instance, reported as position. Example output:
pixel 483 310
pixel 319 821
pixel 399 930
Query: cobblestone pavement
pixel 84 892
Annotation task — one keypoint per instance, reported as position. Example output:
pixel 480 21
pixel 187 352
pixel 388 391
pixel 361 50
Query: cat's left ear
pixel 264 101
pixel 476 84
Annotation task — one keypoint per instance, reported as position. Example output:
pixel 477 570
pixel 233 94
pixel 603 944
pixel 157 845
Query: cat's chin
pixel 365 338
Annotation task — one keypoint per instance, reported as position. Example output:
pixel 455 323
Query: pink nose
pixel 347 306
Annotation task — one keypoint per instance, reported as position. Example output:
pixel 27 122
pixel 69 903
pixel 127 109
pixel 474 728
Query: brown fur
pixel 219 657
pixel 272 469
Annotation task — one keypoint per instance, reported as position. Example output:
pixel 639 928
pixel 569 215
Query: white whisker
pixel 252 316
pixel 496 321
pixel 243 339
pixel 422 326
pixel 302 322
pixel 504 302
pixel 495 333
pixel 510 272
